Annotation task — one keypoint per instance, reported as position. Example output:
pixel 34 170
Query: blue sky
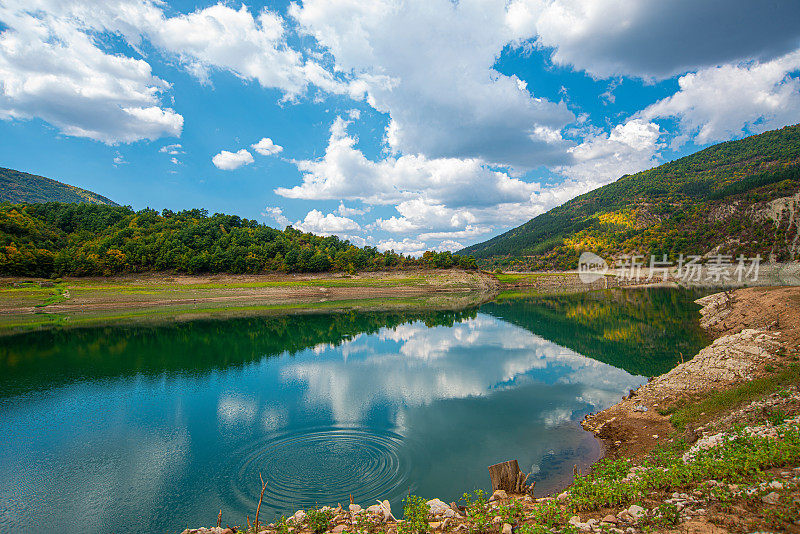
pixel 409 125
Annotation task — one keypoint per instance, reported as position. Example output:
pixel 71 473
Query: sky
pixel 402 124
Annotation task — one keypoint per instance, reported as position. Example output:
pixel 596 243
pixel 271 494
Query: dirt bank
pixel 755 330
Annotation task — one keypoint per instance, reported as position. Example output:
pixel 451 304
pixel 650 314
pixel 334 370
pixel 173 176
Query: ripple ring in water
pixel 322 467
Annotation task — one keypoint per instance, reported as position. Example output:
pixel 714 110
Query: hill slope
pixel 17 187
pixel 738 197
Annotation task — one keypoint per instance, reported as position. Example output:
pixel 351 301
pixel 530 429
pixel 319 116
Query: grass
pixel 415 514
pixel 26 322
pixel 96 302
pixel 739 460
pixel 715 403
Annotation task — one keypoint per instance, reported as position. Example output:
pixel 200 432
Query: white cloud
pixel 276 214
pixel 445 199
pixel 52 70
pixel 344 211
pixel 228 161
pixel 429 65
pixel 173 150
pixel 653 38
pixel 407 246
pixel 326 224
pixel 345 173
pixel 627 148
pixel 266 147
pixel 729 101
pixel 468 233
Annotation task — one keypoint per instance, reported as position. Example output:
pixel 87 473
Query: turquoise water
pixel 158 428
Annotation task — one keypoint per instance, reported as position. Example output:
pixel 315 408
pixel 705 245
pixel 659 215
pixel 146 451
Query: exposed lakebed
pixel 155 428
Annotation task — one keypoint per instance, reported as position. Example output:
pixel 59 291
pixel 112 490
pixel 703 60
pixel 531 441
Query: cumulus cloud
pixel 344 211
pixel 604 157
pixel 228 161
pixel 443 199
pixel 54 71
pixel 406 246
pixel 656 39
pixel 729 101
pixel 436 79
pixel 266 147
pixel 173 150
pixel 276 214
pixel 326 224
pixel 344 172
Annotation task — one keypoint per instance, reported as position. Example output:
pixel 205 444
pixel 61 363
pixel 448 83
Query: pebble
pixel 637 511
pixel 610 519
pixel 438 506
pixel 506 528
pixel 640 408
pixel 771 498
pixel 338 529
pixel 499 495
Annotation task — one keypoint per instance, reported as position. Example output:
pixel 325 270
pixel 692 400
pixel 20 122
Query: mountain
pixel 738 197
pixel 17 187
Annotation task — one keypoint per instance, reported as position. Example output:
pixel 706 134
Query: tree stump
pixel 505 476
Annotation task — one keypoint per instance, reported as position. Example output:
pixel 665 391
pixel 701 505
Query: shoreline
pixel 673 462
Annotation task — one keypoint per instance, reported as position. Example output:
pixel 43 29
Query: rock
pixel 499 495
pixel 625 516
pixel 299 516
pixel 437 506
pixel 354 508
pixel 610 519
pixel 563 496
pixel 506 529
pixel 640 408
pixel 449 513
pixel 637 512
pixel 775 485
pixel 338 529
pixel 387 511
pixel 435 525
pixel 771 498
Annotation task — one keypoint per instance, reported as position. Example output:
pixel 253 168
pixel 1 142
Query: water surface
pixel 158 428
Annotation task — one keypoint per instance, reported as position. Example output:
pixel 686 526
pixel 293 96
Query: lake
pixel 157 428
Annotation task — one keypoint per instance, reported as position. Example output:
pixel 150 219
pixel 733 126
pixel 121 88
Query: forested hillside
pixel 16 186
pixel 736 197
pixel 87 239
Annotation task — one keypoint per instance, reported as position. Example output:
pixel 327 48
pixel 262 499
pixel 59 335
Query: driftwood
pixel 507 476
pixel 258 508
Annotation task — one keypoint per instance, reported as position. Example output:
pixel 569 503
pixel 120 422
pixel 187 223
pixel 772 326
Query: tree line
pixel 60 239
